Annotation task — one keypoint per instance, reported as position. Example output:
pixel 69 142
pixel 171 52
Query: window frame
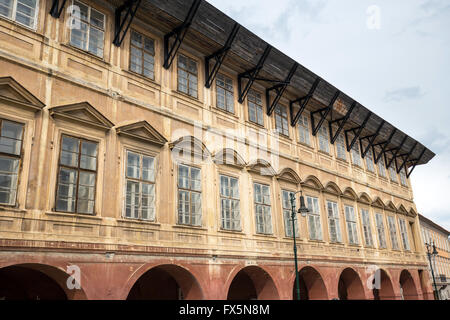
pixel 391 231
pixel 288 211
pixel 88 32
pixel 268 226
pixel 226 91
pixel 392 170
pixel 188 73
pixel 190 190
pixel 356 155
pixel 18 157
pixel 258 107
pixel 370 163
pixel 142 54
pixel 305 128
pixel 367 228
pixel 382 228
pixel 336 219
pixel 340 146
pixel 94 213
pixel 404 234
pixel 229 198
pixel 281 114
pixel 323 135
pixel 317 217
pixel 381 164
pixel 14 15
pixel 140 181
pixel 352 225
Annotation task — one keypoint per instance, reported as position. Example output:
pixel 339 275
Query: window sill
pixel 188 227
pixel 324 153
pixel 298 238
pixel 142 77
pixel 316 241
pixel 187 98
pixel 225 112
pixel 231 231
pixel 354 245
pixel 73 215
pixel 144 222
pixel 282 137
pixel 302 144
pixel 341 244
pixel 342 161
pixel 16 24
pixel 86 54
pixel 13 208
pixel 269 236
pixel 255 125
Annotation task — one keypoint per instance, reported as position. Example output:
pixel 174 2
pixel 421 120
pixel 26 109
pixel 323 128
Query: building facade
pixel 122 176
pixel 433 233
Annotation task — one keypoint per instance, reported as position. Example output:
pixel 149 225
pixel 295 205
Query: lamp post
pixel 434 253
pixel 303 211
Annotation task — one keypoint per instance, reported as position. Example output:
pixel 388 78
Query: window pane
pixel 132 200
pixel 78 36
pixel 96 42
pixel 25 12
pixel 6 8
pixel 148 201
pixel 8 180
pixel 183 177
pixel 67 189
pixel 88 155
pixel 148 169
pixel 196 183
pixel 69 151
pixel 97 19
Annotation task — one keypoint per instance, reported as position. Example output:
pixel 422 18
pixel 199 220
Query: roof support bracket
pixel 123 22
pixel 357 132
pixel 219 57
pixel 416 162
pixel 394 153
pixel 341 122
pixel 56 10
pixel 252 75
pixel 323 114
pixel 407 156
pixel 371 140
pixel 303 101
pixel 384 145
pixel 279 89
pixel 179 33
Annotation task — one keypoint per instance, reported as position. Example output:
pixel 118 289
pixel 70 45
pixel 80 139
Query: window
pixel 303 130
pixel 315 228
pixel 88 30
pixel 77 176
pixel 404 234
pixel 21 11
pixel 350 217
pixel 381 167
pixel 393 173
pixel 324 142
pixel 230 204
pixel 380 230
pixel 255 108
pixel 262 208
pixel 333 221
pixel 189 196
pixel 225 93
pixel 187 76
pixel 403 179
pixel 281 120
pixel 140 184
pixel 367 228
pixel 287 214
pixel 340 147
pixel 11 135
pixel 142 55
pixel 393 232
pixel 356 155
pixel 369 161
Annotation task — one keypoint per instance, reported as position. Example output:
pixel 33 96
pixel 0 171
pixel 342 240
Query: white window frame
pixel 334 226
pixel 381 167
pixel 265 215
pixel 356 155
pixel 323 138
pixel 393 173
pixel 304 134
pixel 228 93
pixel 234 219
pixel 287 214
pixel 341 149
pixel 14 15
pixel 404 234
pixel 190 191
pixel 314 219
pixel 393 232
pixel 352 225
pixel 367 227
pixel 380 231
pixel 370 162
pixel 255 98
pixel 281 120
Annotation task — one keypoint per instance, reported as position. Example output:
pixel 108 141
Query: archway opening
pixel 408 286
pixel 27 282
pixel 167 282
pixel 312 286
pixel 350 286
pixel 383 289
pixel 252 283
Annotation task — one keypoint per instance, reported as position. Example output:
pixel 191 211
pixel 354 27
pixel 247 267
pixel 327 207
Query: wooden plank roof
pixel 209 31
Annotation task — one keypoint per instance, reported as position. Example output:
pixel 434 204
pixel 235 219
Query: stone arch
pixel 350 286
pixel 165 282
pixel 333 188
pixel 230 157
pixel 251 283
pixel 364 198
pixel 386 288
pixel 312 285
pixel 189 145
pixel 408 286
pixel 289 175
pixel 29 281
pixel 349 193
pixel 262 167
pixel 313 182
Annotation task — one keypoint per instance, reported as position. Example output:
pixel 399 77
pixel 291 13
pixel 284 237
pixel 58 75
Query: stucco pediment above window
pixel 229 157
pixel 289 175
pixel 312 182
pixel 402 210
pixel 143 131
pixel 83 113
pixel 332 188
pixel 261 167
pixel 11 92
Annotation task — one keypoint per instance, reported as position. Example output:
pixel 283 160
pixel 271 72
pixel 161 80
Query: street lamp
pixel 303 211
pixel 434 253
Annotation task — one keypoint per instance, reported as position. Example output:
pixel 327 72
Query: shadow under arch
pixel 350 286
pixel 252 283
pixel 34 281
pixel 166 282
pixel 312 285
pixel 385 291
pixel 409 289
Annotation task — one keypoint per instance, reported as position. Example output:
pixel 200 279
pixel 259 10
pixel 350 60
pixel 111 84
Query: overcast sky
pixel 397 66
